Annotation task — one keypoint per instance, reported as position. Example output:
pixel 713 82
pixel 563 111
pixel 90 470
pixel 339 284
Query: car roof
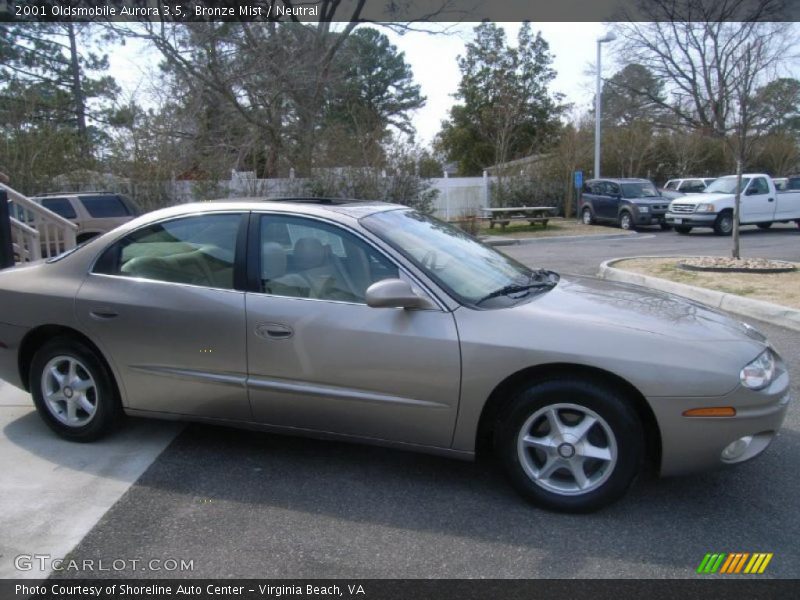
pixel 622 179
pixel 354 209
pixel 62 194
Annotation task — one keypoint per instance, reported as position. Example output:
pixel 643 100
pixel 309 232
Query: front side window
pixel 196 250
pixel 105 206
pixel 61 206
pixel 612 189
pixel 304 258
pixel 759 186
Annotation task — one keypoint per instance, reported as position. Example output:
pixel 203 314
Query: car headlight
pixel 643 209
pixel 759 374
pixel 706 208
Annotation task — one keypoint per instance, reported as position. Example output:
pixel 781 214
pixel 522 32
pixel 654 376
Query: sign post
pixel 577 179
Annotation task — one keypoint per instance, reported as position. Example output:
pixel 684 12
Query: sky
pixel 433 61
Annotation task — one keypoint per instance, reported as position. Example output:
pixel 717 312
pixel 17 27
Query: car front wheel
pixel 73 390
pixel 724 224
pixel 587 216
pixel 683 229
pixel 626 221
pixel 570 445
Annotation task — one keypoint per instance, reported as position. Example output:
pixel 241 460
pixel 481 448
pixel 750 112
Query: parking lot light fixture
pixel 609 37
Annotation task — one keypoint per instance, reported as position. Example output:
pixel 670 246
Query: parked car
pixel 630 203
pixel 93 212
pixel 761 205
pixel 692 185
pixel 372 322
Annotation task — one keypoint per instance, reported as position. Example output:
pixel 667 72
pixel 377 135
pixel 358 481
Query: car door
pixel 611 200
pixel 757 202
pixel 320 359
pixel 162 305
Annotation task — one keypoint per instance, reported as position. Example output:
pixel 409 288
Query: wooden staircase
pixel 36 232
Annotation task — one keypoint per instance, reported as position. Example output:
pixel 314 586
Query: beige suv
pixel 93 212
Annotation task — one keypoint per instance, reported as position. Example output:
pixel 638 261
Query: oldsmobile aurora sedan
pixel 373 322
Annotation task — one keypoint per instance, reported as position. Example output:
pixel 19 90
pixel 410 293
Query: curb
pixel 504 241
pixel 755 309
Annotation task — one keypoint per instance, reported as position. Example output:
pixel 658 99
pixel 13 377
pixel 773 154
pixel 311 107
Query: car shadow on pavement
pixel 271 505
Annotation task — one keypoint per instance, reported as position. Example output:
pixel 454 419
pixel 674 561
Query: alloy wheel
pixel 567 449
pixel 69 390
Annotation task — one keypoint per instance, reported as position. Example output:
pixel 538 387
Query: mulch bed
pixel 721 264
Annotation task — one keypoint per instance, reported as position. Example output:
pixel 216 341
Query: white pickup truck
pixel 761 204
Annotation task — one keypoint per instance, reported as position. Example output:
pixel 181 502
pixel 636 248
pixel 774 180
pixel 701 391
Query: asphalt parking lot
pixel 242 504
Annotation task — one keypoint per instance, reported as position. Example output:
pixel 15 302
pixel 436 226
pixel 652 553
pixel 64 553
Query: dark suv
pixel 628 202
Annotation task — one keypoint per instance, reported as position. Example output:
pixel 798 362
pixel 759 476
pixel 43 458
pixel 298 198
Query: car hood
pixel 703 198
pixel 621 306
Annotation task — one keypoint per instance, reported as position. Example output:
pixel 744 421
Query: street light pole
pixel 609 37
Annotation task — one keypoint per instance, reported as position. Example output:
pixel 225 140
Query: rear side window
pixel 196 250
pixel 61 206
pixel 793 184
pixel 107 205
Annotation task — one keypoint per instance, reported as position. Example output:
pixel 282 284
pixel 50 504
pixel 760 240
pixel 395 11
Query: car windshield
pixel 726 185
pixel 475 274
pixel 643 189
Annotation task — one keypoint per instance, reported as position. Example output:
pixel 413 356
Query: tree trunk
pixel 77 91
pixel 736 205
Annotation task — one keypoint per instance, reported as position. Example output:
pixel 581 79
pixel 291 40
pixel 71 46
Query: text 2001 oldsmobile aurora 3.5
pixel 372 322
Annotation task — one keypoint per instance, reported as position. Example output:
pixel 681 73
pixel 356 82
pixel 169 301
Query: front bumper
pixel 691 444
pixel 691 219
pixel 651 218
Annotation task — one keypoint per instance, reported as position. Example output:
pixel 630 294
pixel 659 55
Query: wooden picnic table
pixel 532 214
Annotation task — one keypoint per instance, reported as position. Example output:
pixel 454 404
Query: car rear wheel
pixel 587 217
pixel 73 390
pixel 570 445
pixel 626 221
pixel 683 229
pixel 724 224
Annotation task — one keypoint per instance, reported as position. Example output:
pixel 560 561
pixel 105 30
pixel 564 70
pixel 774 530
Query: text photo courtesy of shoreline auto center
pixel 410 299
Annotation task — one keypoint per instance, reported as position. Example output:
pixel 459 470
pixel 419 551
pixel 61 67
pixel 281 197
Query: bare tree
pixel 712 56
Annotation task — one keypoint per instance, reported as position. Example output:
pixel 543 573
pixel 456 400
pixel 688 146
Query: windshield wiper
pixel 543 281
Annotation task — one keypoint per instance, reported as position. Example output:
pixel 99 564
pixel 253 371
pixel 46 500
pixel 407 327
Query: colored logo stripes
pixel 734 563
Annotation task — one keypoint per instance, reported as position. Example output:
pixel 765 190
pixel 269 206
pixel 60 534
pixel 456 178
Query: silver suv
pixel 94 213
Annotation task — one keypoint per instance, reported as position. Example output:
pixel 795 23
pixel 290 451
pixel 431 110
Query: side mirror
pixel 395 293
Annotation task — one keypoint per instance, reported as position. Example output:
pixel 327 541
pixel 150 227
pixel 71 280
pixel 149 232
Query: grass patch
pixel 778 288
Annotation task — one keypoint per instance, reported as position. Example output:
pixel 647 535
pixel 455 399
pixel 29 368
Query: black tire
pixel 587 218
pixel 103 395
pixel 613 409
pixel 683 229
pixel 665 227
pixel 764 225
pixel 724 223
pixel 626 221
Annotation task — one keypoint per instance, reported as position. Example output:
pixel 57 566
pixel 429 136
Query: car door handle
pixel 274 331
pixel 102 314
pixel 771 200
